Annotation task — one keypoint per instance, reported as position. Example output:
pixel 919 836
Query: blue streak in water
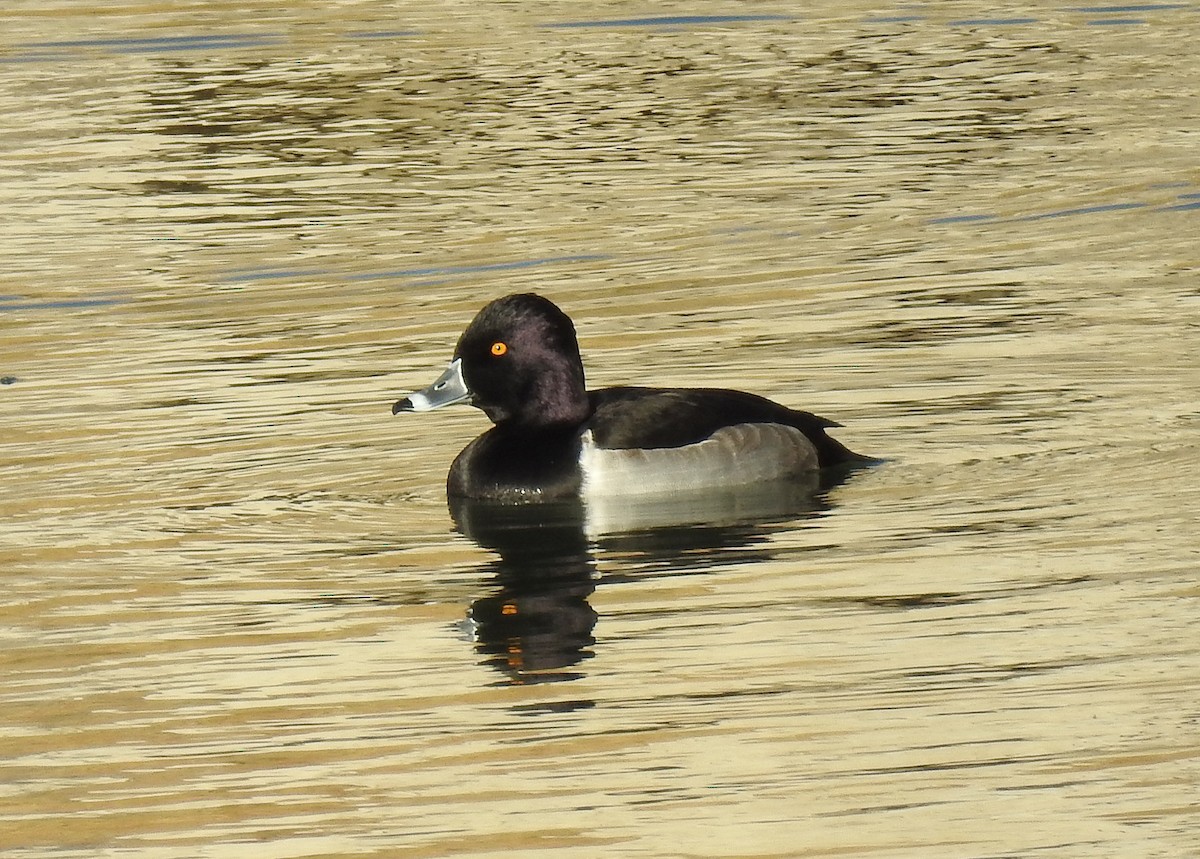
pixel 668 21
pixel 165 43
pixel 271 274
pixel 213 45
pixel 1142 7
pixel 62 304
pixel 1084 210
pixel 1060 213
pixel 991 22
pixel 1116 22
pixel 962 219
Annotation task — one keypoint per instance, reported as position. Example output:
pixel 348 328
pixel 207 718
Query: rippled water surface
pixel 238 617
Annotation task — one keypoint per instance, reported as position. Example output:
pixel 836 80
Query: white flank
pixel 733 456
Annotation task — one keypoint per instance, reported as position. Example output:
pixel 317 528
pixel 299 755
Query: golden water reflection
pixel 238 616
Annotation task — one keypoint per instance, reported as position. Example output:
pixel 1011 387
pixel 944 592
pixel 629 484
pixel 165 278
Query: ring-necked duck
pixel 519 362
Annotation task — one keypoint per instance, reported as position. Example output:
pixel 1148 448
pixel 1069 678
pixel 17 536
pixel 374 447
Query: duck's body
pixel 519 361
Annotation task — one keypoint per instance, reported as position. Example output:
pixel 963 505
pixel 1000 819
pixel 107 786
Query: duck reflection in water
pixel 538 625
pixel 538 622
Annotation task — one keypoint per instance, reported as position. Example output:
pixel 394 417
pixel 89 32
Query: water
pixel 238 615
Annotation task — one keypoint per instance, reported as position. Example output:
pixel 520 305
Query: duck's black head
pixel 519 361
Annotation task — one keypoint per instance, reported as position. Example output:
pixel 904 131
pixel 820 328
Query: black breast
pixel 506 464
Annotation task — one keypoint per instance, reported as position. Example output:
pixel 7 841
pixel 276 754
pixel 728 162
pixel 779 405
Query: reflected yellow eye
pixel 499 348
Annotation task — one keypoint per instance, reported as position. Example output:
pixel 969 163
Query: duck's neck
pixel 557 398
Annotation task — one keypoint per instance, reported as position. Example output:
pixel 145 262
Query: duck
pixel 553 439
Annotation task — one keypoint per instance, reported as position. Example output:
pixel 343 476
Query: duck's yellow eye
pixel 499 348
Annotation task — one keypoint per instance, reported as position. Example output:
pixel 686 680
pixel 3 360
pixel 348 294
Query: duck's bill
pixel 450 388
